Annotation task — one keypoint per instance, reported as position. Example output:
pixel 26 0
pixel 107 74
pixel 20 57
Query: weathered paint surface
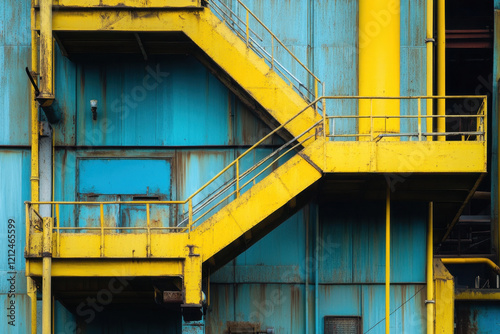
pixel 15 53
pixel 189 107
pixel 268 281
pixel 477 317
pixel 14 189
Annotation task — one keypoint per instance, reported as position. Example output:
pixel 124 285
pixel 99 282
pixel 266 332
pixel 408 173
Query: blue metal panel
pixel 14 190
pixel 413 60
pixel 15 39
pixel 477 317
pixel 124 176
pixel 335 48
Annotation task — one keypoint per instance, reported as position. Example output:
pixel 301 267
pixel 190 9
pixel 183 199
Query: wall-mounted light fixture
pixel 93 107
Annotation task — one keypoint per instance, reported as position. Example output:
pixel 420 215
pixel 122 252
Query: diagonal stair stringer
pixel 280 190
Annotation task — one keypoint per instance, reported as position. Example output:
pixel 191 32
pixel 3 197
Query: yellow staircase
pixel 256 199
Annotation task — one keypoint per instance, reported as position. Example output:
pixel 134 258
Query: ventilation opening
pixel 342 325
pixel 146 198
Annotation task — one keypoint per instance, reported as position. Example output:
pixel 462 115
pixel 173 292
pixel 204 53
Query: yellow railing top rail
pixel 482 113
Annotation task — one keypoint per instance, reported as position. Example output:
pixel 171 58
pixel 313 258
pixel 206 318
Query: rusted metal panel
pixel 477 317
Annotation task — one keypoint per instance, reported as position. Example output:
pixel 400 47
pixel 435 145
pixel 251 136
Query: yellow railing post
pixel 58 232
pixel 101 206
pixel 371 119
pixel 247 28
pixel 190 210
pixel 148 223
pixel 419 119
pixel 237 178
pixel 47 275
pixel 316 89
pixel 272 52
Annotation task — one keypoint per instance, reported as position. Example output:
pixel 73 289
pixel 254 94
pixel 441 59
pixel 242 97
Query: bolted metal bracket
pixel 45 129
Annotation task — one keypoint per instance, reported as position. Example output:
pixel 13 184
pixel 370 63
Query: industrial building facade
pixel 249 166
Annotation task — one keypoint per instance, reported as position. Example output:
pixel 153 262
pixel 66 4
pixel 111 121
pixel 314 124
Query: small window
pixel 342 325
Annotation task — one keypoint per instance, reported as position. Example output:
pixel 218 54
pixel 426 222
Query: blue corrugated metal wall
pixel 15 52
pixel 189 112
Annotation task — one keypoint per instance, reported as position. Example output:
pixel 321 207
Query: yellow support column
pixel 445 298
pixel 379 64
pixel 441 65
pixel 35 179
pixel 46 52
pixel 430 302
pixel 47 276
pixel 430 64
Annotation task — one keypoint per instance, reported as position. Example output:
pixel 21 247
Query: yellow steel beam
pixel 129 3
pixel 117 245
pixel 405 157
pixel 103 267
pixel 252 207
pixel 445 298
pixel 478 295
pixel 441 66
pixel 379 60
pixel 217 40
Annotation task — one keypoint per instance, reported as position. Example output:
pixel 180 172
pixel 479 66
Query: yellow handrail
pixel 247 37
pixel 240 184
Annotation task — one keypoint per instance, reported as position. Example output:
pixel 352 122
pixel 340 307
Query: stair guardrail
pixel 240 175
pixel 309 90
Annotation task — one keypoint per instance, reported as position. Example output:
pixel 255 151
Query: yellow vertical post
pixel 35 179
pixel 419 110
pixel 101 220
pixel 32 296
pixel 58 232
pixel 46 276
pixel 430 272
pixel 388 260
pixel 247 28
pixel 237 178
pixel 148 224
pixel 430 64
pixel 190 214
pixel 441 65
pixel 379 64
pixel 46 49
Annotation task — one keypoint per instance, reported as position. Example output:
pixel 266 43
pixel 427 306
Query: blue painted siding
pixel 14 190
pixel 478 317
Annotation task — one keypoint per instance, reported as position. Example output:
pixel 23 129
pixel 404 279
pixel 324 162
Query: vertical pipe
pixel 307 217
pixel 387 260
pixel 34 158
pixel 429 45
pixel 46 276
pixel 441 65
pixel 316 273
pixel 32 296
pixel 379 64
pixel 46 49
pixel 430 272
